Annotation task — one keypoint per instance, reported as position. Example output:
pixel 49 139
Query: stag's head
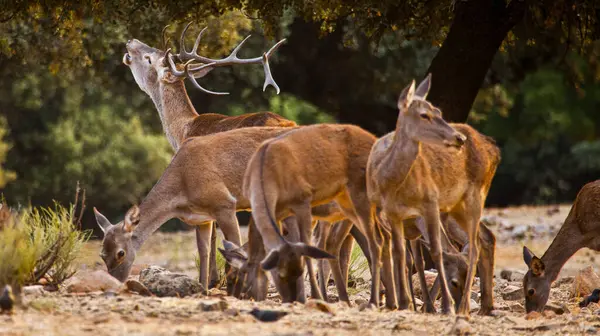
pixel 535 283
pixel 255 282
pixel 118 252
pixel 151 66
pixel 287 264
pixel 422 121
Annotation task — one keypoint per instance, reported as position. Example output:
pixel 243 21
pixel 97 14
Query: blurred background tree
pixel 524 72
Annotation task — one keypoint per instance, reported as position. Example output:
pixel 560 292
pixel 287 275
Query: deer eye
pixel 530 292
pixel 425 116
pixel 120 254
pixel 454 283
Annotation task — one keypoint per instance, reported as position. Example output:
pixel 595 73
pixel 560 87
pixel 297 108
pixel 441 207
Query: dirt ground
pixel 62 313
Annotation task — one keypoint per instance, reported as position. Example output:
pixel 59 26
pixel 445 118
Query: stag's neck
pixel 402 155
pixel 175 110
pixel 568 241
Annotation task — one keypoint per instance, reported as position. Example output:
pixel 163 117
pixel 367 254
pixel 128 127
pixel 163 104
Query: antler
pixel 191 56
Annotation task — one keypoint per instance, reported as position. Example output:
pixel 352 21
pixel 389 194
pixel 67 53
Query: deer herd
pixel 420 187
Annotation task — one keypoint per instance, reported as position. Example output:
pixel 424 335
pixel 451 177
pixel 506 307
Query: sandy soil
pixel 109 314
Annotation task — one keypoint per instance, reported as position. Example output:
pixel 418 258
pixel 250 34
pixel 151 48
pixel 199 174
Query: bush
pixel 39 242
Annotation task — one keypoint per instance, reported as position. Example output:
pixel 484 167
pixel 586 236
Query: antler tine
pixel 182 50
pixel 268 76
pixel 165 40
pixel 193 79
pixel 197 43
pixel 172 66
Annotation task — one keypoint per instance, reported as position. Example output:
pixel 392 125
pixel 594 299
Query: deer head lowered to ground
pixel 156 73
pixel 425 167
pixel 580 229
pixel 312 165
pixel 194 188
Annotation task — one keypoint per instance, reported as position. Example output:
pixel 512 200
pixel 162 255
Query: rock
pixel 365 306
pixel 585 282
pixel 93 281
pixel 562 281
pixel 267 315
pixel 516 307
pixel 461 327
pixel 519 231
pixel 163 283
pixel 213 305
pixel 474 306
pixel 360 301
pixel 138 287
pixel 429 279
pixel 512 275
pixel 498 313
pixel 320 305
pixel 232 312
pixel 35 290
pixel 512 293
pixel 558 308
pixel 549 314
pixel 533 315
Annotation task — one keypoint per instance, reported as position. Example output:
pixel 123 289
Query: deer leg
pixel 417 248
pixel 400 260
pixel 231 230
pixel 324 230
pixel 203 241
pixel 485 266
pixel 387 276
pixel 304 218
pixel 467 215
pixel 346 254
pixel 410 261
pixel 214 271
pixel 433 223
pixel 256 283
pixel 334 245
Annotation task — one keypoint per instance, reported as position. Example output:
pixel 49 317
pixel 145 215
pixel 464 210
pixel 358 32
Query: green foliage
pixel 5 175
pixel 39 242
pixel 359 267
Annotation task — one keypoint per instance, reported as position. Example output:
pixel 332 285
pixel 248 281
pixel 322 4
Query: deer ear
pixel 233 254
pixel 103 223
pixel 132 218
pixel 537 266
pixel 527 256
pixel 270 260
pixel 406 97
pixel 312 252
pixel 423 88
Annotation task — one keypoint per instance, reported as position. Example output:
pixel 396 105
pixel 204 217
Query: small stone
pixel 35 290
pixel 320 305
pixel 519 231
pixel 474 306
pixel 461 327
pixel 590 330
pixel 101 318
pixel 549 314
pixel 533 315
pixel 232 312
pixel 563 281
pixel 516 307
pixel 138 287
pixel 213 305
pixel 498 313
pixel 512 293
pixel 585 282
pixel 512 275
pixel 558 308
pixel 365 306
pixel 92 281
pixel 360 301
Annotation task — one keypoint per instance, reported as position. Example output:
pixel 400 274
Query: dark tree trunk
pixel 460 66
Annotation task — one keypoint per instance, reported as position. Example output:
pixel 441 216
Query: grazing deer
pixel 425 167
pixel 580 229
pixel 203 183
pixel 309 166
pixel 155 73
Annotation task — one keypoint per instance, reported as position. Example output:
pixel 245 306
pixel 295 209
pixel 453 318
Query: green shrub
pixel 39 242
